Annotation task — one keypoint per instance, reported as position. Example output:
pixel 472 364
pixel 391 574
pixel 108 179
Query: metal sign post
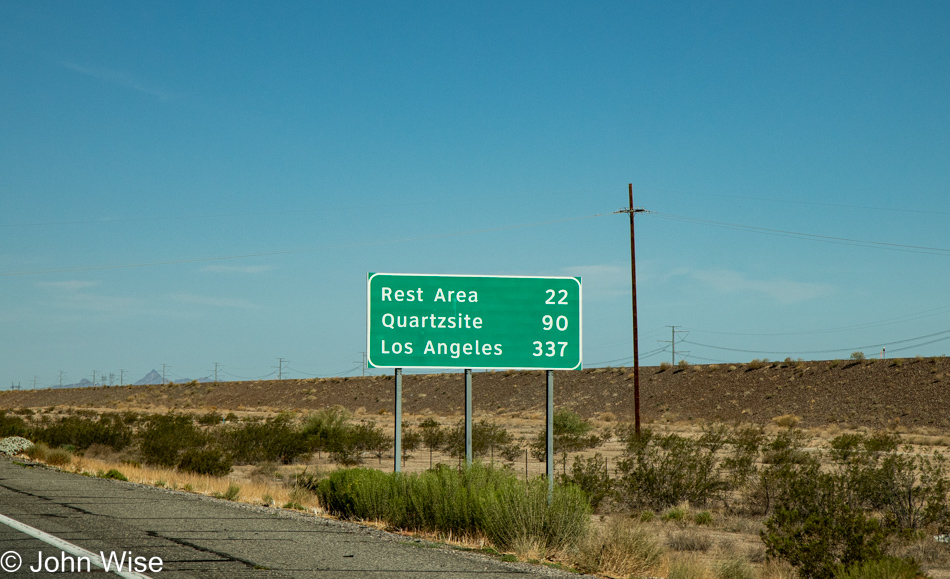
pixel 468 417
pixel 397 444
pixel 549 435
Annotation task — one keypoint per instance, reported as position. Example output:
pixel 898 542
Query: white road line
pixel 65 546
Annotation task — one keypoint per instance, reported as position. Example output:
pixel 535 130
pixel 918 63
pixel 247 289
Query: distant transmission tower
pixel 673 341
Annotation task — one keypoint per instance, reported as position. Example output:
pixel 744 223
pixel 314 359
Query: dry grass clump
pixel 777 569
pixel 530 549
pixel 620 549
pixel 734 568
pixel 253 492
pixel 689 540
pixel 59 457
pixel 38 451
pixel 688 567
pixel 787 420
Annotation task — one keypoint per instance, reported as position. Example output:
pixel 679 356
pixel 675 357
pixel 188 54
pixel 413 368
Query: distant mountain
pixel 152 377
pixel 84 383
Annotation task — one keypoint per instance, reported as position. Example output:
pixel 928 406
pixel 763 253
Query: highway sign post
pixel 474 322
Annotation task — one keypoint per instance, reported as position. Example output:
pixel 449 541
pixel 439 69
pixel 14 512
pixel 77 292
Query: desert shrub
pixel 326 428
pixel 857 356
pixel 665 366
pixel 82 431
pixel 620 549
pixel 815 528
pixel 38 451
pixel 232 494
pixel 329 430
pixel 674 514
pixel 210 419
pixel 274 439
pixel 882 442
pixel 165 436
pixel 411 440
pixel 487 438
pixel 571 434
pixel 59 457
pixel 661 471
pixel 703 518
pixel 885 568
pixel 786 447
pixel 209 461
pixel 741 463
pixel 515 510
pixel 475 501
pixel 590 475
pixel 845 447
pixel 113 474
pixel 12 425
pixel 433 436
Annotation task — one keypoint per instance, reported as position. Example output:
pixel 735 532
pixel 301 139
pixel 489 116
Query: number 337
pixel 549 349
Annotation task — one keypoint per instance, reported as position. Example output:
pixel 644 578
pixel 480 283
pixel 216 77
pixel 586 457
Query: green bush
pixel 571 434
pixel 487 439
pixel 661 471
pixel 740 464
pixel 82 431
pixel 816 530
pixel 275 439
pixel 210 419
pixel 476 501
pixel 885 568
pixel 12 425
pixel 209 461
pixel 433 436
pixel 231 494
pixel 114 474
pixel 590 475
pixel 164 437
pixel 325 428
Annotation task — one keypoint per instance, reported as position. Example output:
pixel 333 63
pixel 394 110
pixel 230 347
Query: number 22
pixel 551 293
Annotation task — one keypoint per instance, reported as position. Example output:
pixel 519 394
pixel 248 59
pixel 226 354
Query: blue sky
pixel 311 143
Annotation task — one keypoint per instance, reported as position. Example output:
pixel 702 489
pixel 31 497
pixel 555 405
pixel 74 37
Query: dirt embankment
pixel 875 393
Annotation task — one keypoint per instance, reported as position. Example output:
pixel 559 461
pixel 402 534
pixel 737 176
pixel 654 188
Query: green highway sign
pixel 476 322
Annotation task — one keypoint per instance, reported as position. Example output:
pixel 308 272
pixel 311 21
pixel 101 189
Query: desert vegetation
pixel 705 500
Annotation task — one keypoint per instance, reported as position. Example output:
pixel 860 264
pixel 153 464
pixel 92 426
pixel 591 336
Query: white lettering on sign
pixel 459 321
pixel 455 296
pixel 457 349
pixel 402 295
pixel 398 348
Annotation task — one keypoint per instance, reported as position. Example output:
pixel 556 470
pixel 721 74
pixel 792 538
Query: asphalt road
pixel 196 536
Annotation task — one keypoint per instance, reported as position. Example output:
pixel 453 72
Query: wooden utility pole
pixel 636 345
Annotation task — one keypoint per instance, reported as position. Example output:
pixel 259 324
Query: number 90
pixel 549 322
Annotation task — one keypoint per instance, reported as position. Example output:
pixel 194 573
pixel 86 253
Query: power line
pixel 882 344
pixel 885 322
pixel 799 202
pixel 809 236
